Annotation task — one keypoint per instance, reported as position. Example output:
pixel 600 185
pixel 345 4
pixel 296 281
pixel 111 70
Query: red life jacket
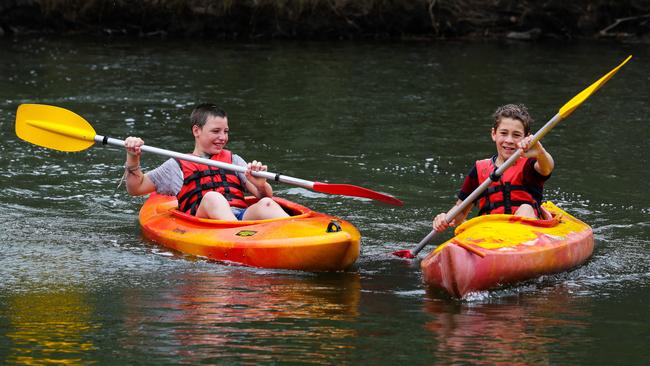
pixel 198 179
pixel 508 193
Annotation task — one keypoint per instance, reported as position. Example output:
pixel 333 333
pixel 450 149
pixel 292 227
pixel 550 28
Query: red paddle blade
pixel 355 191
pixel 404 254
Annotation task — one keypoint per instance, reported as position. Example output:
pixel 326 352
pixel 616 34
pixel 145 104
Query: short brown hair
pixel 201 112
pixel 514 111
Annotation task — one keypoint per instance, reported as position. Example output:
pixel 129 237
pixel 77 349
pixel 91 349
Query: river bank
pixel 328 20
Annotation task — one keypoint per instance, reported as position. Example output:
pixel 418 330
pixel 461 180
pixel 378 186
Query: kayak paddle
pixel 60 129
pixel 564 112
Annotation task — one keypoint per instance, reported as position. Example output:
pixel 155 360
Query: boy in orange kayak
pixel 519 190
pixel 202 190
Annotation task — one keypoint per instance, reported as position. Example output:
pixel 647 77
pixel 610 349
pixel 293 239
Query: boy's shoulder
pixel 238 160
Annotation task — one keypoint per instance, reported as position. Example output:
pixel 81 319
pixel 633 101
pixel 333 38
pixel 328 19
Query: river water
pixel 79 284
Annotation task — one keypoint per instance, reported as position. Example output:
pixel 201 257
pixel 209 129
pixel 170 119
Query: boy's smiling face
pixel 212 138
pixel 507 135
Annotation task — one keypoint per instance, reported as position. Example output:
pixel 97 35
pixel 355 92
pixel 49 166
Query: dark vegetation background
pixel 627 20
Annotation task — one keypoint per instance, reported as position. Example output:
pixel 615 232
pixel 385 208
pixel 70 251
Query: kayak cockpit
pixel 293 209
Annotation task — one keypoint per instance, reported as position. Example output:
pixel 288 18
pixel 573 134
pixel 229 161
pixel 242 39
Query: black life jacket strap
pixel 201 174
pixel 507 204
pixel 501 187
pixel 194 206
pixel 212 186
pixel 224 183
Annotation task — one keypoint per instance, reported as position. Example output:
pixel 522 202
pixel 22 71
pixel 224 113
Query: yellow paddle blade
pixel 574 103
pixel 53 127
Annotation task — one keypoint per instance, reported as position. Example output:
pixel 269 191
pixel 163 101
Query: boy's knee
pixel 266 202
pixel 214 197
pixel 525 210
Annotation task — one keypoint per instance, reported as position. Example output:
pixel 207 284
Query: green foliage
pixel 343 18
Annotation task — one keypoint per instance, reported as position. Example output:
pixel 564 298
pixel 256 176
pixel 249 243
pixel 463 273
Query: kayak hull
pixel 495 250
pixel 307 240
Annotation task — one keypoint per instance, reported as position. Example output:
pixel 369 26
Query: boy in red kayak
pixel 519 190
pixel 202 190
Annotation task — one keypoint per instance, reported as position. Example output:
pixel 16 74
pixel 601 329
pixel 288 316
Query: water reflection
pixel 406 119
pixel 245 315
pixel 519 331
pixel 52 328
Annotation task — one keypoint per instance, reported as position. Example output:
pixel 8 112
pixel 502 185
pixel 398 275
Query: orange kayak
pixel 494 250
pixel 307 240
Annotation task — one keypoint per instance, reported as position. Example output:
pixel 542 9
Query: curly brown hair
pixel 514 111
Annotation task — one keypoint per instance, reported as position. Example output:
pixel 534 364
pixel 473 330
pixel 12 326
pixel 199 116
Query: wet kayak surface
pixel 79 283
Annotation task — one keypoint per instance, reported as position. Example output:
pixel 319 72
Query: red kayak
pixel 495 250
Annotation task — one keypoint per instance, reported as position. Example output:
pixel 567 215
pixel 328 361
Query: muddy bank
pixel 332 19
